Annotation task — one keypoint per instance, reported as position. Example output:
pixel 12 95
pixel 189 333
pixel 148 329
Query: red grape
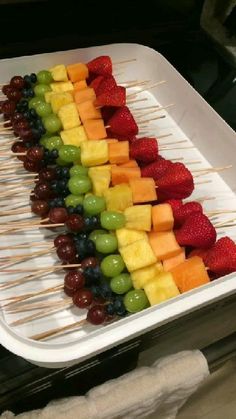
pixel 47 173
pixel 20 124
pixel 31 166
pixel 75 223
pixel 90 261
pixel 17 117
pixel 35 153
pixel 73 281
pixel 83 298
pixel 66 252
pixel 18 147
pixel 63 239
pixel 14 95
pixel 96 314
pixel 6 89
pixel 58 215
pixel 8 107
pixel 42 190
pixel 17 82
pixel 40 207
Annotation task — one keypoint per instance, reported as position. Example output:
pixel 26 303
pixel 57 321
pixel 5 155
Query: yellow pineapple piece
pixel 126 236
pixel 143 275
pixel 74 136
pixel 137 255
pixel 62 86
pixel 48 95
pixel 101 178
pixel 118 197
pixel 59 73
pixel 94 153
pixel 69 116
pixel 139 217
pixel 161 288
pixel 60 99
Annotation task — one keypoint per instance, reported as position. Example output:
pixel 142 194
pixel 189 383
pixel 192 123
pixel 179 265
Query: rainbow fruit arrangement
pixel 131 239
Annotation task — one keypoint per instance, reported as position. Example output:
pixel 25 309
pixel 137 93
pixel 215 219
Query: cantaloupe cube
pixel 142 276
pixel 125 236
pixel 62 86
pixel 190 274
pixel 69 116
pixel 130 163
pixel 111 140
pixel 74 136
pixel 170 263
pixel 124 174
pixel 164 244
pixel 119 152
pixel 80 85
pixel 138 217
pixel 143 190
pixel 118 198
pixel 100 177
pixel 94 153
pixel 77 72
pixel 58 100
pixel 162 217
pixel 137 255
pixel 95 129
pixel 161 288
pixel 85 94
pixel 87 110
pixel 59 73
pixel 48 95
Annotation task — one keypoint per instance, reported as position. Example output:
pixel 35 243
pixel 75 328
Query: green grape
pixel 43 109
pixel 121 284
pixel 69 153
pixel 73 200
pixel 53 143
pixel 95 234
pixel 43 141
pixel 79 184
pixel 135 300
pixel 44 77
pixel 77 169
pixel 41 89
pixel 93 204
pixel 112 265
pixel 52 123
pixel 35 101
pixel 112 220
pixel 106 243
pixel 61 162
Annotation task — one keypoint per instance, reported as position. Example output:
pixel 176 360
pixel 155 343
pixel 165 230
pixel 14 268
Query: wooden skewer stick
pixel 28 278
pixel 58 330
pixel 35 306
pixel 132 95
pixel 159 108
pixel 15 261
pixel 25 255
pixel 41 269
pixel 128 102
pixel 40 314
pixel 124 61
pixel 151 119
pixel 29 227
pixel 25 245
pixel 25 297
pixel 225 223
pixel 202 182
pixel 14 176
pixel 15 212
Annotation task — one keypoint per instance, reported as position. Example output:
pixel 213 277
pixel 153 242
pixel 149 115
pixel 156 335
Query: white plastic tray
pixel 213 144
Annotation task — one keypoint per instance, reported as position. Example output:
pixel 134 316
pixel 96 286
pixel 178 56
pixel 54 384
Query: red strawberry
pixel 197 231
pixel 101 65
pixel 221 258
pixel 199 252
pixel 115 97
pixel 156 169
pixel 144 150
pixel 175 204
pixel 96 82
pixel 107 112
pixel 182 213
pixel 107 84
pixel 177 182
pixel 122 123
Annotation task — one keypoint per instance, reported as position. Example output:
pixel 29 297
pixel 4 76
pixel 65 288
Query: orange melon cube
pixel 87 110
pixel 95 129
pixel 190 274
pixel 124 174
pixel 164 244
pixel 77 72
pixel 83 95
pixel 170 263
pixel 162 217
pixel 143 190
pixel 130 163
pixel 111 140
pixel 80 85
pixel 119 152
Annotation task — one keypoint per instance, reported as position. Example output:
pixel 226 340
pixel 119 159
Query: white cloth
pixel 162 388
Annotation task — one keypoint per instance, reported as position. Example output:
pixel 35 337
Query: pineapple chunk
pixel 59 73
pixel 118 198
pixel 58 100
pixel 101 178
pixel 74 136
pixel 142 276
pixel 48 95
pixel 139 217
pixel 94 153
pixel 62 86
pixel 137 255
pixel 161 288
pixel 125 236
pixel 69 116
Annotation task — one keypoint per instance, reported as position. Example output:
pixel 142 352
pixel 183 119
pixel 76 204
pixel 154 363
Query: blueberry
pixel 95 290
pixel 60 201
pixel 70 210
pixel 121 312
pixel 24 104
pixel 30 93
pixel 88 223
pixel 36 134
pixel 33 78
pixel 105 290
pixel 92 275
pixel 64 192
pixel 81 236
pixel 27 80
pixel 79 209
pixel 58 171
pixel 62 183
pixel 91 248
pixel 26 114
pixel 31 124
pixel 52 203
pixel 25 92
pixel 118 303
pixel 54 185
pixel 54 154
pixel 110 309
pixel 28 145
pixel 33 113
pixel 42 130
pixel 19 107
pixel 65 172
pixel 95 221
